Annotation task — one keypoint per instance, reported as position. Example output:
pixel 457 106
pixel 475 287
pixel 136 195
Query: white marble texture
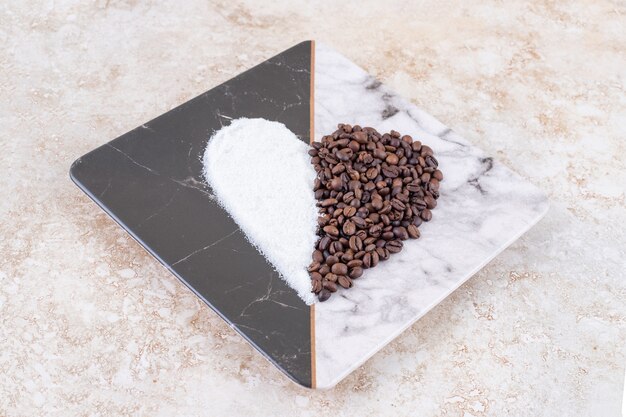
pixel 482 209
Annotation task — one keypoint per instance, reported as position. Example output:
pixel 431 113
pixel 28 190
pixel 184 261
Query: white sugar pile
pixel 262 175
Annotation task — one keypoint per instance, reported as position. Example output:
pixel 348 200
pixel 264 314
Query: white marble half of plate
pixel 483 208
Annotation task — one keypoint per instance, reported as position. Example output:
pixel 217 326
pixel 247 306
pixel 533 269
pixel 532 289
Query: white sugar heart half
pixel 262 176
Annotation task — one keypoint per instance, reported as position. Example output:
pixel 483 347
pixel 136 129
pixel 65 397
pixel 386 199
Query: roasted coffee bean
pixel 349 228
pixel 375 259
pixel 383 253
pixel 392 159
pixel 329 285
pixel 390 172
pixel 336 184
pixel 331 230
pixel 347 256
pixel 356 272
pixel 330 277
pixel 344 281
pixel 323 295
pixel 323 243
pixel 367 260
pixel 375 230
pixel 373 191
pixel 314 266
pixel 344 154
pixel 354 263
pixel 316 286
pixel 394 246
pixel 401 233
pixel 370 247
pixel 349 211
pixel 336 246
pixel 359 221
pixel 360 137
pixel 315 276
pixel 431 203
pixel 413 231
pixel 331 260
pixel 318 256
pixel 397 204
pixel 355 243
pixel 339 269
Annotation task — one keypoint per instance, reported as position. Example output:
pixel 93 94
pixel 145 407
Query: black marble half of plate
pixel 149 180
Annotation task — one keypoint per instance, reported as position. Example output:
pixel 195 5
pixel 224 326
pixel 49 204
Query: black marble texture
pixel 150 181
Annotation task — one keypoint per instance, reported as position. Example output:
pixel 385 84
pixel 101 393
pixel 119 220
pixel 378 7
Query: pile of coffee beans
pixel 373 192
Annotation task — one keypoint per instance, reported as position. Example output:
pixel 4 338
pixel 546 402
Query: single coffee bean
pixel 339 269
pixel 349 211
pixel 431 161
pixel 431 203
pixel 375 230
pixel 328 202
pixel 426 215
pixel 394 246
pixel 316 286
pixel 383 253
pixel 316 276
pixel 413 231
pixel 397 204
pixel 367 260
pixel 330 277
pixel 344 281
pixel 438 175
pixel 354 263
pixel 324 243
pixel 318 256
pixel 401 233
pixel 331 230
pixel 356 272
pixel 360 137
pixel 375 259
pixel 359 222
pixel 331 260
pixel 433 185
pixel 336 184
pixel 314 266
pixel 329 285
pixel 392 159
pixel 349 228
pixel 355 243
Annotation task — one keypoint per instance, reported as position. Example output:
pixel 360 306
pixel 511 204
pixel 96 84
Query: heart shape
pixel 261 175
pixel 373 193
pixel 351 201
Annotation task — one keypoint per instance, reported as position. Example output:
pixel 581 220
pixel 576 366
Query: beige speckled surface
pixel 91 325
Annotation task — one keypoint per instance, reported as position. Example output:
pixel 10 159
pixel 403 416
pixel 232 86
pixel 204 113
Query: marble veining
pixel 482 209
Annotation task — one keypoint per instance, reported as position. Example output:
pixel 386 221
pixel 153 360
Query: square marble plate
pixel 150 181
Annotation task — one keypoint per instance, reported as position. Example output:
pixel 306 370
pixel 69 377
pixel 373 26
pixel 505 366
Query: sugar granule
pixel 262 176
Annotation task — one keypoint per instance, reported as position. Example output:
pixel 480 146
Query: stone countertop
pixel 92 325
